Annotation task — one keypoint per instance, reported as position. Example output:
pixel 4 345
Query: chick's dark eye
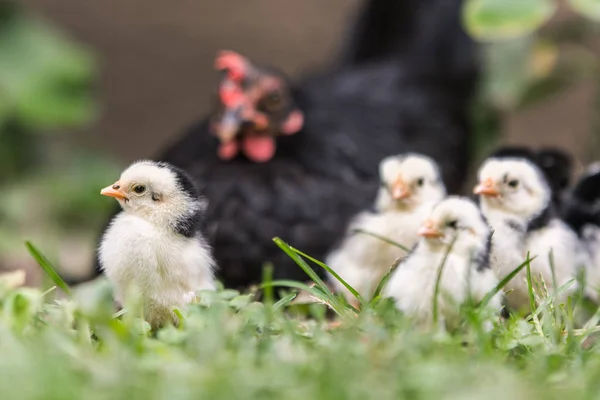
pixel 139 189
pixel 420 182
pixel 514 183
pixel 452 224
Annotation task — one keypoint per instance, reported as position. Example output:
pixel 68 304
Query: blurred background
pixel 88 86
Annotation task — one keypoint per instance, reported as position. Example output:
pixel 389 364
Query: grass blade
pixel 383 282
pixel 534 317
pixel 334 302
pixel 267 276
pixel 557 318
pixel 332 272
pixel 47 267
pixel 181 324
pixel 382 238
pixel 504 282
pixel 290 284
pixel 530 285
pixel 317 293
pixel 301 263
pixel 549 299
pixel 438 281
pixel 284 301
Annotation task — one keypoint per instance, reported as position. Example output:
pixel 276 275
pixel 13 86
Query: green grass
pixel 232 347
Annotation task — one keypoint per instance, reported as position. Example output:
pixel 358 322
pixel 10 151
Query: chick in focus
pixel 156 243
pixel 410 185
pixel 457 228
pixel 517 201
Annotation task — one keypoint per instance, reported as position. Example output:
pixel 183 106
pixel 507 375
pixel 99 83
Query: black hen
pixel 299 160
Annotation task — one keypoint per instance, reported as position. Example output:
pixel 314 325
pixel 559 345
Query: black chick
pixel 299 160
pixel 580 206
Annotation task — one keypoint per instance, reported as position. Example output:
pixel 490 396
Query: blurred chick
pixel 581 210
pixel 410 185
pixel 466 273
pixel 155 243
pixel 555 163
pixel 516 200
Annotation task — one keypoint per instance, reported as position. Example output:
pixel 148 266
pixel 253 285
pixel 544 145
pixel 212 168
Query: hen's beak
pixel 400 190
pixel 229 125
pixel 487 188
pixel 114 191
pixel 428 230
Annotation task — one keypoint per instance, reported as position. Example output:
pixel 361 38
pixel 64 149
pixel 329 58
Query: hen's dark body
pixel 404 84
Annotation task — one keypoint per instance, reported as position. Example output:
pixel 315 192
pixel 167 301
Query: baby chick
pixel 455 222
pixel 155 243
pixel 516 200
pixel 410 186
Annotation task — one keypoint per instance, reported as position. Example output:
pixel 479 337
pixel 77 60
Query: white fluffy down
pixel 519 205
pixel 139 249
pixel 412 285
pixel 362 260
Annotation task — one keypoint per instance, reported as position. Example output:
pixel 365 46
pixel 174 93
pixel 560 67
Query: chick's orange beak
pixel 429 230
pixel 114 191
pixel 400 190
pixel 487 188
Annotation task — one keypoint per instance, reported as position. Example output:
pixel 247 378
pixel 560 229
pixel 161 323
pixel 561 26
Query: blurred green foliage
pixel 528 60
pixel 228 346
pixel 46 91
pixel 44 84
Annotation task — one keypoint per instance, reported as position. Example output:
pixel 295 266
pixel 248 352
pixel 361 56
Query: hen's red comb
pixel 235 64
pixel 231 94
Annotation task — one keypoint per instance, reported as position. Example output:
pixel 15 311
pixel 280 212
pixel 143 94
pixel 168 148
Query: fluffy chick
pixel 410 186
pixel 156 243
pixel 466 274
pixel 516 200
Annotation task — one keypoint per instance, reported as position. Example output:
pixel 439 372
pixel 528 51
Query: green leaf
pixel 47 267
pixel 44 78
pixel 508 73
pixel 496 20
pixel 587 8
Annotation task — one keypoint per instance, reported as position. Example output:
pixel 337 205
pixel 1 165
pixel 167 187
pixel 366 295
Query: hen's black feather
pixel 403 85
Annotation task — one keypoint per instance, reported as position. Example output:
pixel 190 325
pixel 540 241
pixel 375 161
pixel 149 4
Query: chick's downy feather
pixel 462 252
pixel 517 201
pixel 155 245
pixel 363 259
